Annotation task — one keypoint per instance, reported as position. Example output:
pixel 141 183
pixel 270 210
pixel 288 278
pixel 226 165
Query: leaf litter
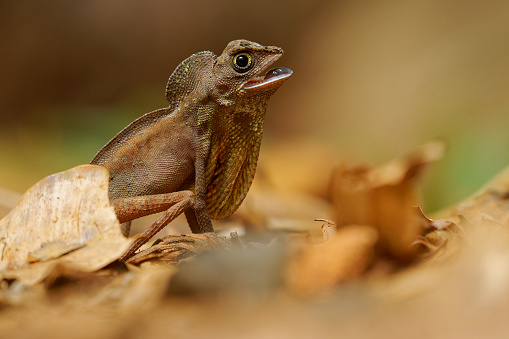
pixel 376 259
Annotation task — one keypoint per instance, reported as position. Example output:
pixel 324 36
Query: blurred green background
pixel 372 79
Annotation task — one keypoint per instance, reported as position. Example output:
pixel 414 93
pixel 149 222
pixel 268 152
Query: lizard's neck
pixel 234 149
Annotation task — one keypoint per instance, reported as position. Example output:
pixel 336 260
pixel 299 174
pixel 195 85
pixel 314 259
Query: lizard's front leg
pixel 197 217
pixel 173 204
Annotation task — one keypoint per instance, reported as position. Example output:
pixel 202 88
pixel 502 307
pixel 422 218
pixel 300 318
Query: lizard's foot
pixel 173 248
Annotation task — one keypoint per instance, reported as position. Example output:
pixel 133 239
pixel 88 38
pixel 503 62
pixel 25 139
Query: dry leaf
pixel 66 215
pixel 384 198
pixel 488 206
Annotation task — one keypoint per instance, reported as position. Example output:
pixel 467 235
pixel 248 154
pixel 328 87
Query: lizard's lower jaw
pixel 274 78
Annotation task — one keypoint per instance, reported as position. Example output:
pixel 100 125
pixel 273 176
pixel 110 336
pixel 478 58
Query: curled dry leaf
pixel 488 206
pixel 384 197
pixel 429 224
pixel 437 232
pixel 67 216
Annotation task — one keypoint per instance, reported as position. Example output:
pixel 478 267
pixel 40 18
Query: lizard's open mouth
pixel 273 77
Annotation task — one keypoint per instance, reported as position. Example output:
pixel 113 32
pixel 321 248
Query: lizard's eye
pixel 242 62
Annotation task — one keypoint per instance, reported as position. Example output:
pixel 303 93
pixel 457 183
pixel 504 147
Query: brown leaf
pixel 437 232
pixel 67 216
pixel 488 206
pixel 384 197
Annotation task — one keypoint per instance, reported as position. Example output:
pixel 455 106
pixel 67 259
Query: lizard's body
pixel 199 155
pixel 140 164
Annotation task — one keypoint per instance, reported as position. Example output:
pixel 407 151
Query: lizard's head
pixel 240 69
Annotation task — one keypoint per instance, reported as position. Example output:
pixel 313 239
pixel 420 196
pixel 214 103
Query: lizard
pixel 197 156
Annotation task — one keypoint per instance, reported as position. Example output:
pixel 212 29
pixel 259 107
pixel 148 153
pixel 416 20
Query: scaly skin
pixel 199 155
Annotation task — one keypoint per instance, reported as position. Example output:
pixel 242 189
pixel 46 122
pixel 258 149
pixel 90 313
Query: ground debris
pixel 288 282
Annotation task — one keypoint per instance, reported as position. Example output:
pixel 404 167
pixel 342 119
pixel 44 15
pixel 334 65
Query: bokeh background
pixel 372 79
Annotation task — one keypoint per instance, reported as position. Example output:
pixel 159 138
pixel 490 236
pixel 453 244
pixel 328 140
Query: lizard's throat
pixel 232 164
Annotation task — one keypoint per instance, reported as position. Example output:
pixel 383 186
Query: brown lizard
pixel 199 155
